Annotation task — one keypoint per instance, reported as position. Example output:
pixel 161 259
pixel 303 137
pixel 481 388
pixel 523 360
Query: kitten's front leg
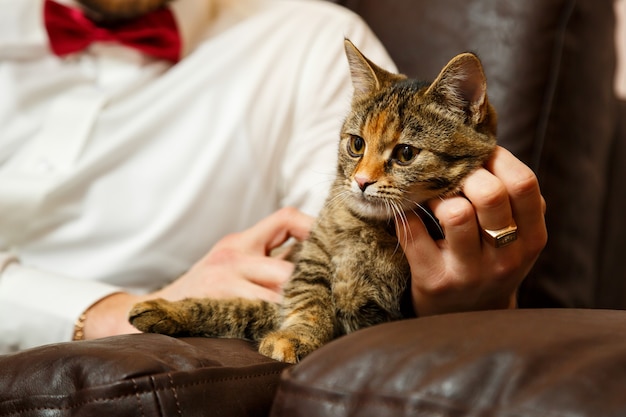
pixel 207 317
pixel 307 314
pixel 293 343
pixel 308 320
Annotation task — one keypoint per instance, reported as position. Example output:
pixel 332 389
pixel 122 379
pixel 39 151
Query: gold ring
pixel 501 237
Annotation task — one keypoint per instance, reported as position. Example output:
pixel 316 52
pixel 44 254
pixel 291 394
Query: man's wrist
pixel 109 316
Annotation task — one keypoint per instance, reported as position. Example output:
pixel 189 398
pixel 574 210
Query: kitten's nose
pixel 363 182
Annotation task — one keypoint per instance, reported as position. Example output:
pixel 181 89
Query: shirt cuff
pixel 38 308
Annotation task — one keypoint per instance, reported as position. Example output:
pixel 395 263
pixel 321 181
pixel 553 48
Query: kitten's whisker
pixel 389 209
pixel 400 216
pixel 418 205
pixel 339 198
pixel 407 230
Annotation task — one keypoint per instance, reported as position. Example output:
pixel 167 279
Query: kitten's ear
pixel 462 86
pixel 367 77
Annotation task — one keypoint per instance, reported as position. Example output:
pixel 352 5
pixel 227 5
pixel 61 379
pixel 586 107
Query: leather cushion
pixel 139 375
pixel 512 363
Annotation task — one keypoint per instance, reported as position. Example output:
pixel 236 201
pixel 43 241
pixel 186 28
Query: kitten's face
pixel 405 142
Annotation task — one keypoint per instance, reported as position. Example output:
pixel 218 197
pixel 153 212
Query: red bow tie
pixel 70 31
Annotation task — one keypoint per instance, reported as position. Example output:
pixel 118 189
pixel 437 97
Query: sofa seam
pixel 551 86
pixel 175 393
pixel 137 397
pixel 18 411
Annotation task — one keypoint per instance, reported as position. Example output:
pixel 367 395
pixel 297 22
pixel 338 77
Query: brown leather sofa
pixel 550 67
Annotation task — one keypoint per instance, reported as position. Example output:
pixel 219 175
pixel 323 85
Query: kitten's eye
pixel 356 146
pixel 405 154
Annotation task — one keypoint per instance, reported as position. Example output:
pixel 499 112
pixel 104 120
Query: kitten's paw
pixel 285 346
pixel 156 316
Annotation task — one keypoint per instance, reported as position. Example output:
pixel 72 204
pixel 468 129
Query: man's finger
pixel 275 229
pixel 458 219
pixel 416 242
pixel 526 201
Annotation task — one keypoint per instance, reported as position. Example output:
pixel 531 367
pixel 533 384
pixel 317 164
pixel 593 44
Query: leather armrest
pixel 494 363
pixel 139 375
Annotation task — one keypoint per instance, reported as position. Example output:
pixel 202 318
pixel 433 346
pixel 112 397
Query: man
pixel 120 169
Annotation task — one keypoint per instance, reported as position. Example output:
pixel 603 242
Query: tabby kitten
pixel 403 142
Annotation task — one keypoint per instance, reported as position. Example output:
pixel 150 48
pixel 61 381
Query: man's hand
pixel 463 272
pixel 239 265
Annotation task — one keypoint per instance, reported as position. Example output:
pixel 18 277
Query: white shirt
pixel 119 171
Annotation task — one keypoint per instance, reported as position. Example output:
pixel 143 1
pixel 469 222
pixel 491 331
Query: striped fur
pixel 402 143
